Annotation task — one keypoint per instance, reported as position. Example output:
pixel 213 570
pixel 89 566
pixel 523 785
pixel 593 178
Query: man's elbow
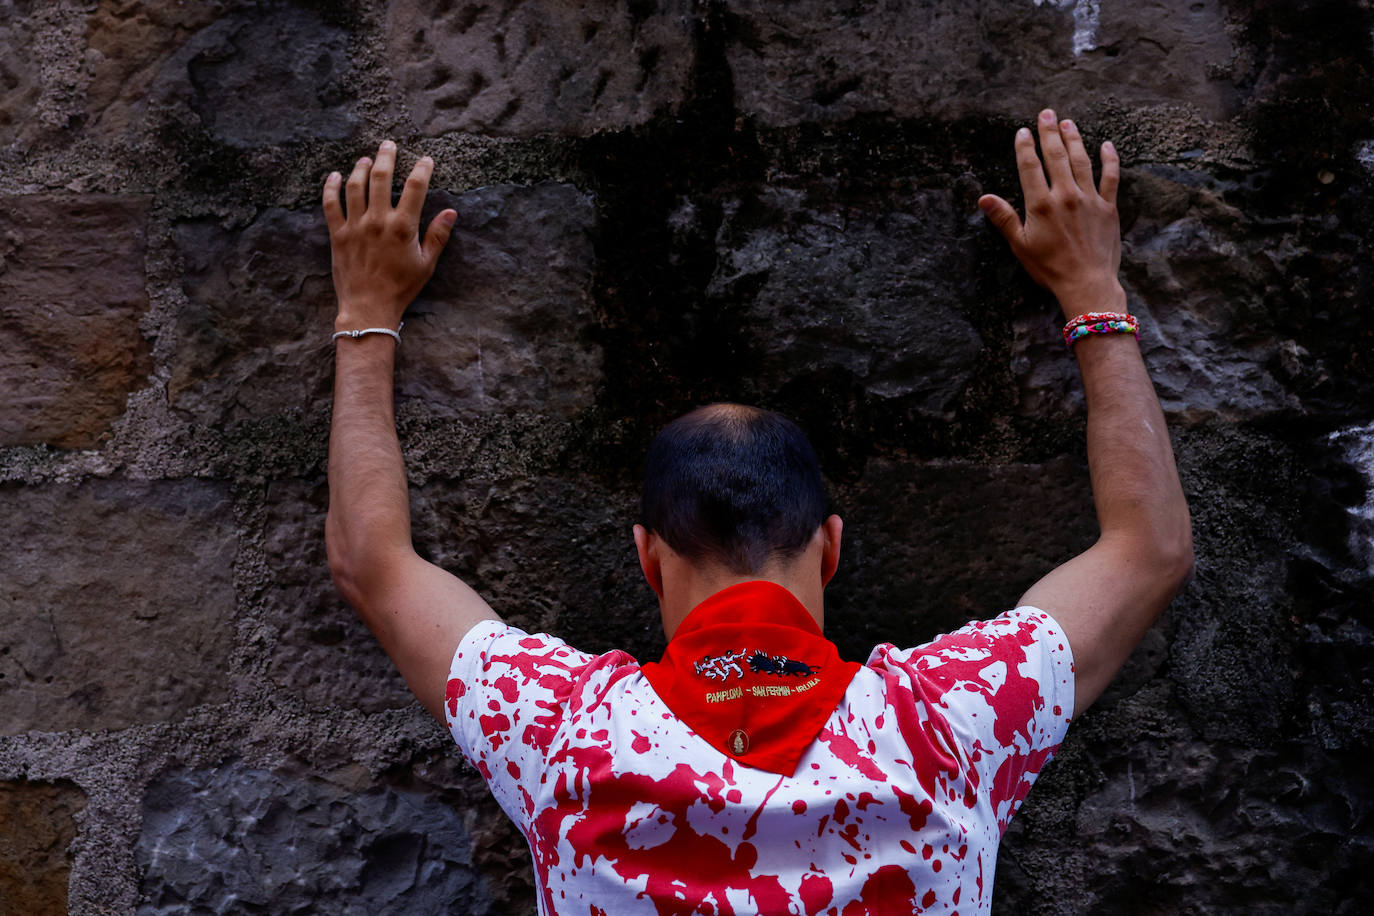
pixel 1176 558
pixel 340 563
pixel 346 563
pixel 1161 554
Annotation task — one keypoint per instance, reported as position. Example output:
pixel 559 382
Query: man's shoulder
pixel 996 662
pixel 1025 627
pixel 495 653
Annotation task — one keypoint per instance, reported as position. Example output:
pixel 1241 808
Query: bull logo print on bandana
pixel 727 665
pixel 780 665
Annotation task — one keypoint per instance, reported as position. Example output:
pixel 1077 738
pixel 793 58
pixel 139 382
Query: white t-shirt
pixel 898 805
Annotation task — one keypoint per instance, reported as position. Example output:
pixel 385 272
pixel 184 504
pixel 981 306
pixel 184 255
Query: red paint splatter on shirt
pixel 889 891
pixel 928 737
pixel 453 694
pixel 845 748
pixel 816 892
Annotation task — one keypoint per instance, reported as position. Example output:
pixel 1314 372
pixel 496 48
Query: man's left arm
pixel 1107 597
pixel 417 611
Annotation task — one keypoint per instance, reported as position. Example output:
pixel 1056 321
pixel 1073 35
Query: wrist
pixel 353 320
pixel 1105 297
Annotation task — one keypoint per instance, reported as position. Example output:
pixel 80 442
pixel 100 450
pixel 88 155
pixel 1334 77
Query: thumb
pixel 436 236
pixel 1002 215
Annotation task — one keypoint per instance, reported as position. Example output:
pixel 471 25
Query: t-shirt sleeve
pixel 1005 690
pixel 509 693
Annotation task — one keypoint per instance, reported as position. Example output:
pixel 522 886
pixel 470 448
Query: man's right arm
pixel 417 611
pixel 1106 598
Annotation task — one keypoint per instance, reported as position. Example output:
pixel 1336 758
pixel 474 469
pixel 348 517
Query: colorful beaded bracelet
pixel 1100 323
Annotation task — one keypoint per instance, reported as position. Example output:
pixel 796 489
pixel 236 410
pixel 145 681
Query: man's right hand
pixel 379 261
pixel 1070 242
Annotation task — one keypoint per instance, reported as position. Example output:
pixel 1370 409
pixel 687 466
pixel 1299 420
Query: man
pixel 751 769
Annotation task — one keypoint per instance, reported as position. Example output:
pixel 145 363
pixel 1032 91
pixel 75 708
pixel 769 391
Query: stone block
pixel 323 651
pixel 1356 443
pixel 269 74
pixel 231 838
pixel 823 288
pixel 37 826
pixel 120 603
pixel 518 68
pixel 547 552
pixel 929 547
pixel 72 291
pixel 254 338
pixel 506 322
pixel 825 61
pixel 1191 826
pixel 20 83
pixel 1200 275
pixel 127 42
pixel 1198 295
pixel 502 325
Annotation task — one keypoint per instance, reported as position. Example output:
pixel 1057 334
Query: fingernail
pixel 1023 133
pixel 1109 147
pixel 333 178
pixel 388 145
pixel 1047 116
pixel 448 219
pixel 1069 126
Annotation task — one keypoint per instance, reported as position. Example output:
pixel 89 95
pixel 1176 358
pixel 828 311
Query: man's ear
pixel 831 530
pixel 646 545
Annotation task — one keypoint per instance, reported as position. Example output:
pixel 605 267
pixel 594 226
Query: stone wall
pixel 661 204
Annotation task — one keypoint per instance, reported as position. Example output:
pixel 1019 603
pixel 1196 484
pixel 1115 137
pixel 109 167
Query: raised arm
pixel 1107 597
pixel 417 611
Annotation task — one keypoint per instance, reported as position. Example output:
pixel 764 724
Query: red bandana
pixel 749 671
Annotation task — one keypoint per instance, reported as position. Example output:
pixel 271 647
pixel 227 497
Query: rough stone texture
pixel 272 73
pixel 494 534
pixel 929 547
pixel 548 553
pixel 521 68
pixel 840 289
pixel 503 324
pixel 19 83
pixel 254 338
pixel 321 650
pixel 1357 447
pixel 506 322
pixel 127 42
pixel 232 837
pixel 660 206
pixel 119 603
pixel 71 296
pixel 1222 356
pixel 828 61
pixel 37 826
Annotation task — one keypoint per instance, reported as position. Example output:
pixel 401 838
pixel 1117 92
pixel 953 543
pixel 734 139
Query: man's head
pixel 733 486
pixel 733 493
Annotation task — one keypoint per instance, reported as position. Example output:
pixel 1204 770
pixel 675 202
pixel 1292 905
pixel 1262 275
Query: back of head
pixel 733 485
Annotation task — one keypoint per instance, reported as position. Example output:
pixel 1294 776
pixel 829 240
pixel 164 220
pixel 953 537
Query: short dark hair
pixel 733 485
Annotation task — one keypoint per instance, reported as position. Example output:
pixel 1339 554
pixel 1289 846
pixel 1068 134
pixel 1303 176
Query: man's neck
pixel 685 586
